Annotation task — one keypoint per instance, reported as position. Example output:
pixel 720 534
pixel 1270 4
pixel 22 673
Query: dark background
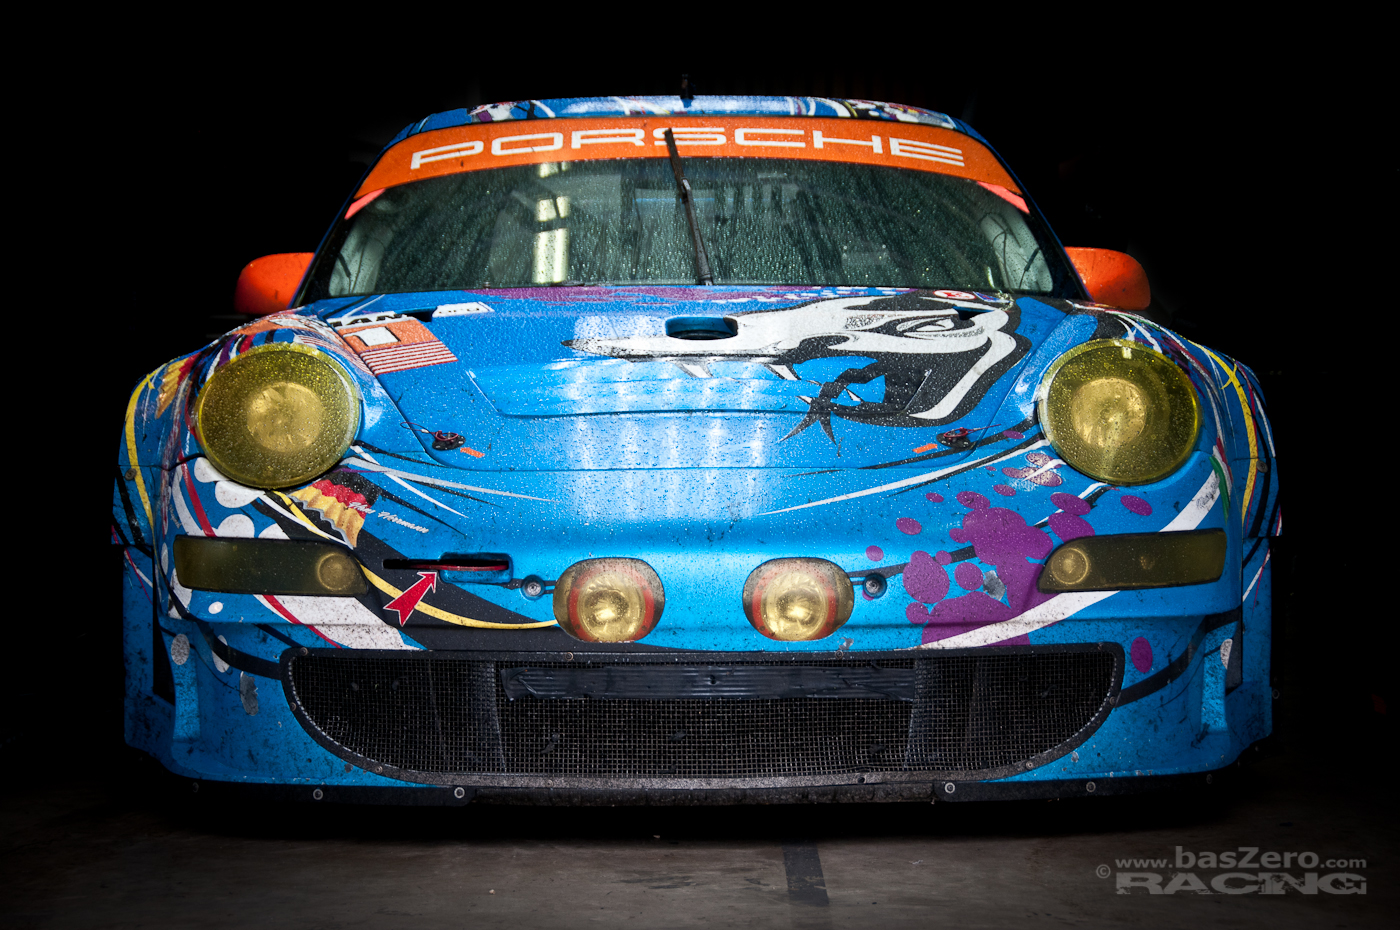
pixel 1241 170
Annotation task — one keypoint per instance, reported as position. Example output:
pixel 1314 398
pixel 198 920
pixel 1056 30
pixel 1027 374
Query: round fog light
pixel 798 599
pixel 608 600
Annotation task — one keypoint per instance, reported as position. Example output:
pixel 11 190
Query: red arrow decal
pixel 407 602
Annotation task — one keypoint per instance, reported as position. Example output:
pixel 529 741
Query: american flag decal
pixel 402 358
pixel 397 344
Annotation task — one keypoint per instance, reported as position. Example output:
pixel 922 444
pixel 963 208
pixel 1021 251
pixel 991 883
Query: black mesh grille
pixel 435 714
pixel 426 714
pixel 982 712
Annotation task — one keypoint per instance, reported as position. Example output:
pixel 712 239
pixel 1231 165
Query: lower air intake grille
pixel 431 713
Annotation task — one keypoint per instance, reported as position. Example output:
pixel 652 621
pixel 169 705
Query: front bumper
pixel 240 719
pixel 699 721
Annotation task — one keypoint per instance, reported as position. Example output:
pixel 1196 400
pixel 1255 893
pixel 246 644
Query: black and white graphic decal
pixel 937 362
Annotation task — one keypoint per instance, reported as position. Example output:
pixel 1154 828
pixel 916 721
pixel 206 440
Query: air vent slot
pixel 701 327
pixel 479 568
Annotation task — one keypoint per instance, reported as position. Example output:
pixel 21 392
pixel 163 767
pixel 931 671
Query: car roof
pixel 593 107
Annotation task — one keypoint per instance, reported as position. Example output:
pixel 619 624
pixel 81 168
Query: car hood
pixel 562 378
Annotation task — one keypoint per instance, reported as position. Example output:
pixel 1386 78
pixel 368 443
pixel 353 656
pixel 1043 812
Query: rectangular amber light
pixel 267 566
pixel 1135 560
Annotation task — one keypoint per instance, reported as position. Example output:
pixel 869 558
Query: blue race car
pixel 724 449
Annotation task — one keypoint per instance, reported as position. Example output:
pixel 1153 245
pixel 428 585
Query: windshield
pixel 762 220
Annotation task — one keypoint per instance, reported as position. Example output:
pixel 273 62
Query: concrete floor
pixel 128 848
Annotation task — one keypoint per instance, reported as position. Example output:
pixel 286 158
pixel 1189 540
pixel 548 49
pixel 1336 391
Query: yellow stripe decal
pixel 392 591
pixel 295 511
pixel 432 611
pixel 1248 431
pixel 131 448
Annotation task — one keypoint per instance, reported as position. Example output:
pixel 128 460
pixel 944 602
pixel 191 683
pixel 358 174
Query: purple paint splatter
pixel 1039 471
pixel 1070 504
pixel 968 576
pixel 973 501
pixel 1069 524
pixel 925 579
pixel 1141 652
pixel 1069 527
pixel 1137 505
pixel 620 293
pixel 909 526
pixel 874 553
pixel 1001 538
pixel 935 497
pixel 942 557
pixel 1005 490
pixel 1012 434
pixel 958 615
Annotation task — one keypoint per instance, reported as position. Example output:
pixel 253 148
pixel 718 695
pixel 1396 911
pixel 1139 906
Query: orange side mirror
pixel 1112 278
pixel 267 285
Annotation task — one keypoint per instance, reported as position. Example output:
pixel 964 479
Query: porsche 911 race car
pixel 695 450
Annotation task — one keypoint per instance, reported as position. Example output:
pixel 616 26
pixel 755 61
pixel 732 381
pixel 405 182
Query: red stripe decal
pixel 277 605
pixel 198 507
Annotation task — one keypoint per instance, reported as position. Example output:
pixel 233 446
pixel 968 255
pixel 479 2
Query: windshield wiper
pixel 702 261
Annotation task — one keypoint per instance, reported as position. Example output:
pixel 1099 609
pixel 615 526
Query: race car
pixel 704 450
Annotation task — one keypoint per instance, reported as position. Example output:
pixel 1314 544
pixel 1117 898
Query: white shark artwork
pixel 899 334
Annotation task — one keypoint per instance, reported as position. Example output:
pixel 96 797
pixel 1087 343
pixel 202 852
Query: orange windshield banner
pixel 530 142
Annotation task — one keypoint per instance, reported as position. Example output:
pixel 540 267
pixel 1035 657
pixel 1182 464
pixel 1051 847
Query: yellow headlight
pixel 1120 412
pixel 277 416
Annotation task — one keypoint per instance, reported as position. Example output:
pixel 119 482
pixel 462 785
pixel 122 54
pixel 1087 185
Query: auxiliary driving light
pixel 608 600
pixel 267 566
pixel 798 599
pixel 1119 411
pixel 277 415
pixel 1135 560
